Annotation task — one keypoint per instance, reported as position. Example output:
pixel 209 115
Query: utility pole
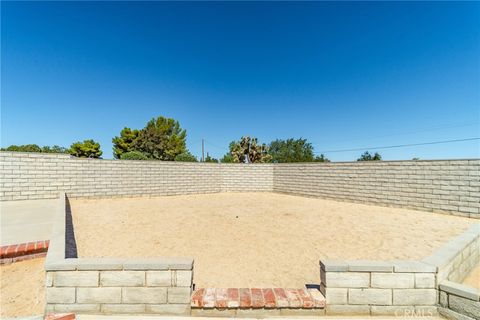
pixel 203 150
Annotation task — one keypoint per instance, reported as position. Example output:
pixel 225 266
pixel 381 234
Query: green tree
pixel 162 139
pixel 54 149
pixel 36 148
pixel 248 150
pixel 321 158
pixel 86 149
pixel 186 157
pixel 227 158
pixel 133 155
pixel 23 148
pixel 126 142
pixel 366 156
pixel 291 150
pixel 208 158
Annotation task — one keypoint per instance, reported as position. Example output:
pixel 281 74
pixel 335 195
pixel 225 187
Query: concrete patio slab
pixel 26 220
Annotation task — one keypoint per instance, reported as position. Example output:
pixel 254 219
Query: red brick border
pixel 256 298
pixel 23 251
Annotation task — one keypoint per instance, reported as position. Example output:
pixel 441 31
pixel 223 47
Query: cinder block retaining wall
pixel 454 261
pixel 113 285
pixel 401 288
pixel 449 186
pixel 458 257
pixel 406 288
pixel 459 302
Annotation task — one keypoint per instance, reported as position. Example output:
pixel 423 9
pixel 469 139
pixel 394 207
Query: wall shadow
pixel 70 243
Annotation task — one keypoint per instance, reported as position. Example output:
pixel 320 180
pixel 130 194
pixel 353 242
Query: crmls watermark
pixel 411 313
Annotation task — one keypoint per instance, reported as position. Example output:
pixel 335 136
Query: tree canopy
pixel 36 148
pixel 366 156
pixel 133 155
pixel 86 149
pixel 227 158
pixel 321 158
pixel 291 150
pixel 185 157
pixel 161 139
pixel 126 142
pixel 248 150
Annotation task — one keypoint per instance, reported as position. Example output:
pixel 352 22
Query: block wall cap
pixel 158 264
pixel 413 266
pixel 460 290
pixel 334 265
pixel 370 266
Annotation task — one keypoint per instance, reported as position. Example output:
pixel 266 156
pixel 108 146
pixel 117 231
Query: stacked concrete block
pixel 458 301
pixel 113 285
pixel 246 177
pixel 120 287
pixel 458 257
pixel 446 186
pixel 454 261
pixel 39 176
pixel 406 288
pixel 400 288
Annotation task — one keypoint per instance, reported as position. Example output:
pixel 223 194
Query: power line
pixel 399 145
pixel 425 129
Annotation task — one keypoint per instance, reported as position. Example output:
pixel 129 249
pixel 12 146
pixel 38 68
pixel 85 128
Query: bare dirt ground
pixel 473 278
pixel 22 288
pixel 256 239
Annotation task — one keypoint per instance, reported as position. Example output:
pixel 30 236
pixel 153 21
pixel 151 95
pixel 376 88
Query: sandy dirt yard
pixel 473 279
pixel 22 291
pixel 256 239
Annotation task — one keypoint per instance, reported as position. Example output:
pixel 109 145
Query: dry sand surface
pixel 473 279
pixel 22 288
pixel 256 239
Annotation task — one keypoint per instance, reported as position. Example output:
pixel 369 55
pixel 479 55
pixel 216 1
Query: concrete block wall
pixel 448 186
pixel 459 302
pixel 38 176
pixel 119 287
pixel 400 288
pixel 246 178
pixel 112 285
pixel 405 288
pixel 458 257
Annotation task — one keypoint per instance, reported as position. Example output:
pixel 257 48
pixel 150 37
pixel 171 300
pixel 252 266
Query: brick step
pixel 23 251
pixel 267 298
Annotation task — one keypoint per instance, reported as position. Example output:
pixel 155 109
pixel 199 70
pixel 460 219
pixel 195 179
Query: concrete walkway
pixel 26 221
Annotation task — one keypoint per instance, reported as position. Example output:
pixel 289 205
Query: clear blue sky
pixel 343 75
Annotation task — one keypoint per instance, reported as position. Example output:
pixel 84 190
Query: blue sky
pixel 343 75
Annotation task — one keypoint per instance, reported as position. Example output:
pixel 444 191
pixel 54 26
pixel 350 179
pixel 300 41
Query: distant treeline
pixel 164 139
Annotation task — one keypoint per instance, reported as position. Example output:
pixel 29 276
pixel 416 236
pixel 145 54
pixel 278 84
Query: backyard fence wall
pixel 39 176
pixel 449 186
